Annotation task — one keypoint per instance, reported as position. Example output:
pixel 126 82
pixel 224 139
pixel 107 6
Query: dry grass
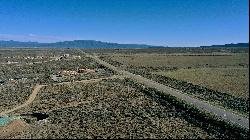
pixel 234 81
pixel 224 72
pixel 182 61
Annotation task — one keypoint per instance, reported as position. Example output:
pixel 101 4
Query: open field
pixel 227 73
pixel 224 81
pixel 182 60
pixel 170 50
pixel 120 108
pixel 234 81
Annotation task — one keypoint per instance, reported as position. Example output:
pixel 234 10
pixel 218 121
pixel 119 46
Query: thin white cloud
pixel 35 38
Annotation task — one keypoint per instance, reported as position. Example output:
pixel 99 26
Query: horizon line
pixel 113 42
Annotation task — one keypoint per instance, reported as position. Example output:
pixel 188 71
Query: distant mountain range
pixel 93 44
pixel 72 44
pixel 242 45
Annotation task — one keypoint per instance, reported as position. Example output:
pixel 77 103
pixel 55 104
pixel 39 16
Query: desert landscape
pixel 79 93
pixel 124 69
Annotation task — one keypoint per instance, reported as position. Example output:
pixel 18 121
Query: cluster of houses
pixel 72 72
pixel 11 62
pixel 68 72
pixel 86 70
pixel 13 80
pixel 59 75
pixel 36 57
pixel 66 56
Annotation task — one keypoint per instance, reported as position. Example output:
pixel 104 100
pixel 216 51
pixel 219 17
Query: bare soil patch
pixel 14 128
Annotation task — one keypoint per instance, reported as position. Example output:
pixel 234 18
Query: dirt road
pixel 226 115
pixel 30 100
pixel 38 87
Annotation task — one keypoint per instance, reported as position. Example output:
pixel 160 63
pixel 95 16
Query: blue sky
pixel 156 22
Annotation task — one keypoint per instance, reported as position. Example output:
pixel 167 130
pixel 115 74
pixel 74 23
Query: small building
pixel 65 55
pixel 58 58
pixel 56 77
pixel 76 57
pixel 86 70
pixel 68 72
